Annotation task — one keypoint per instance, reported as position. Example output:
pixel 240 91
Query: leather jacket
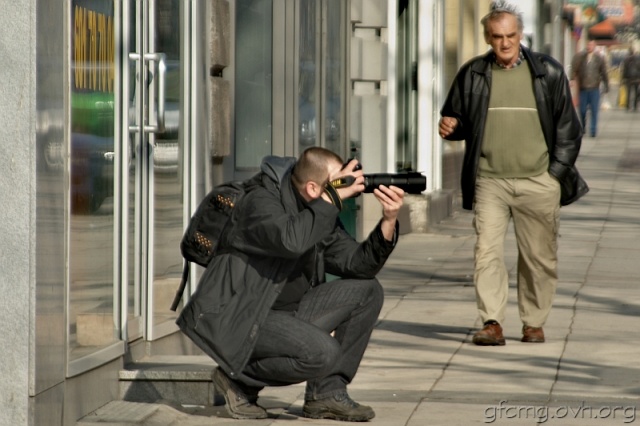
pixel 589 76
pixel 468 102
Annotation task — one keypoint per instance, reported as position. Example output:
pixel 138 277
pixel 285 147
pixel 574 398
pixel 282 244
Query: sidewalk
pixel 421 367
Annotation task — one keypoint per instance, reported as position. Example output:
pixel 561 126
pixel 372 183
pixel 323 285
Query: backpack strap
pixel 183 284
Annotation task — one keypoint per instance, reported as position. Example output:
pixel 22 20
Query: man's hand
pixel 447 126
pixel 391 198
pixel 356 187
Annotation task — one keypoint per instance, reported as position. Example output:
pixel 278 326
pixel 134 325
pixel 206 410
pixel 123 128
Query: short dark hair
pixel 312 166
pixel 497 9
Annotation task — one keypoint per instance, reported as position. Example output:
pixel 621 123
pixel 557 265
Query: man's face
pixel 591 46
pixel 313 189
pixel 504 37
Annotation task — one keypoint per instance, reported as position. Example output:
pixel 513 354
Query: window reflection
pixel 334 75
pixel 308 85
pixel 91 242
pixel 321 76
pixel 253 97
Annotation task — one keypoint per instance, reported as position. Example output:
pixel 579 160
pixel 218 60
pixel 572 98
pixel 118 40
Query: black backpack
pixel 201 240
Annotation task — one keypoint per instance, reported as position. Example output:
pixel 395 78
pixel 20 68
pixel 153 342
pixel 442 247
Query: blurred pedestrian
pixel 631 78
pixel 589 69
pixel 513 108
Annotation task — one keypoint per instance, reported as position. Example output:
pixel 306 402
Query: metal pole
pixel 556 29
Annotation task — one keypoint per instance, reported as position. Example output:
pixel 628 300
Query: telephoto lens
pixel 409 182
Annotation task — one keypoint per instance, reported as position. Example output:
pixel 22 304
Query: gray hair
pixel 498 8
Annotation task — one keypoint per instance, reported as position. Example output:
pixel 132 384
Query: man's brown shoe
pixel 532 334
pixel 239 404
pixel 490 335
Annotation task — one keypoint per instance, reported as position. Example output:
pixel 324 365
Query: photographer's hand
pixel 391 198
pixel 351 169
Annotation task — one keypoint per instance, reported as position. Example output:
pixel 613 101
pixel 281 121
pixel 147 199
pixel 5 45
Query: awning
pixel 603 30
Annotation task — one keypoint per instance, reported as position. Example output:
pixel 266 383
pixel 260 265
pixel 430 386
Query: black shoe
pixel 338 407
pixel 239 404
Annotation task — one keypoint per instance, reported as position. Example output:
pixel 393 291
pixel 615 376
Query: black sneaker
pixel 239 404
pixel 338 407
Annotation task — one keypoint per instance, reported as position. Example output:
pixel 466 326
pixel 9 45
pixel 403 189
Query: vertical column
pixel 17 223
pixel 368 115
pixel 220 95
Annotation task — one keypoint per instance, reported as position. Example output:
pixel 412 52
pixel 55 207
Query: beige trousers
pixel 534 205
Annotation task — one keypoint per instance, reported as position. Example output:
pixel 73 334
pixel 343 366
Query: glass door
pixel 155 78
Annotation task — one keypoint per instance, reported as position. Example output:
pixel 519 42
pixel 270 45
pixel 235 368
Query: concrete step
pixel 120 413
pixel 184 379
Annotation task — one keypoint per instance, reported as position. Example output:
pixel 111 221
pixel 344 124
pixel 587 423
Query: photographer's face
pixel 314 190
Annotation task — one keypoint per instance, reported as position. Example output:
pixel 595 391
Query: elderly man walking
pixel 513 108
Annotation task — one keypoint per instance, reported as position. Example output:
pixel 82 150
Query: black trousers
pixel 321 343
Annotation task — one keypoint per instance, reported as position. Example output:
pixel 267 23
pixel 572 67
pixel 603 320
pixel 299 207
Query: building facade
pixel 120 115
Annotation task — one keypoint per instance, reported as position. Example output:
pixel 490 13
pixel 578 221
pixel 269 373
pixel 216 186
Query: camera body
pixel 409 182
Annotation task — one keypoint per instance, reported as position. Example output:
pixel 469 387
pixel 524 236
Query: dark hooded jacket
pixel 273 234
pixel 468 101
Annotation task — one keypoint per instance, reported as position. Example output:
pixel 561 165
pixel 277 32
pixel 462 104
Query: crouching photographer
pixel 263 309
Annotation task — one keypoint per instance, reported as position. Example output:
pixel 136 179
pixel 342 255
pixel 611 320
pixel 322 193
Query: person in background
pixel 631 78
pixel 263 309
pixel 589 70
pixel 513 108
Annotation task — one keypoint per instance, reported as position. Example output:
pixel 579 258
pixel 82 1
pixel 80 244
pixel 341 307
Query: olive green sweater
pixel 513 145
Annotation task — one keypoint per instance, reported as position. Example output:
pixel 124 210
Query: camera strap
pixel 330 190
pixel 342 182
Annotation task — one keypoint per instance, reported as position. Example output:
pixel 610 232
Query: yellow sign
pixel 93 50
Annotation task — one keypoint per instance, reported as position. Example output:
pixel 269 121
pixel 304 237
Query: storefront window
pixel 303 76
pixel 253 87
pixel 334 68
pixel 321 74
pixel 309 74
pixel 92 324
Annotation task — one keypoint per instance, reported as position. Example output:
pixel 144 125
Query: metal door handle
pixel 133 114
pixel 161 59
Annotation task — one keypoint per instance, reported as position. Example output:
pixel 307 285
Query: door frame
pixel 140 322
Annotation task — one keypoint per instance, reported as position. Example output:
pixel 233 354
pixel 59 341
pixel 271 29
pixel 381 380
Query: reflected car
pixel 92 151
pixel 92 159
